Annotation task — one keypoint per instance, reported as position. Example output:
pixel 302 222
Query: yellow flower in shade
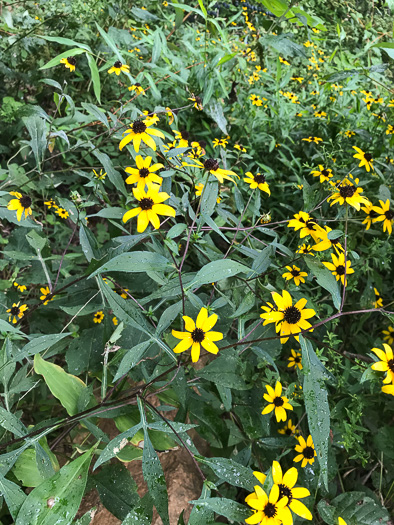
pixel 316 140
pixel 16 312
pixel 63 214
pixel 20 287
pixel 286 483
pixel 45 292
pixel 150 118
pixel 170 116
pixel 288 319
pixel 115 321
pixel 294 273
pixel 118 67
pixel 349 133
pixel 137 88
pixel 306 451
pixel 348 193
pixel 51 203
pixel 212 165
pixel 199 187
pixel 305 249
pixel 197 102
pixel 183 137
pixel 257 181
pixel 324 174
pixel 268 509
pixel 100 175
pixel 140 131
pixel 337 267
pixel 370 215
pixel 364 158
pixel 307 226
pixel 69 62
pixel 295 360
pixel 144 174
pixel 289 429
pixel 198 334
pixel 341 521
pixel 327 243
pixel 386 363
pixel 220 142
pixel 389 335
pixel 276 402
pixel 98 317
pixel 388 389
pixel 150 207
pixel 21 205
pixel 384 214
pixel 284 61
pixel 378 303
pixel 320 114
pixel 240 148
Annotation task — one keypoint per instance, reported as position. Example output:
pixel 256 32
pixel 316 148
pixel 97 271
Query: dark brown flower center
pixel 372 214
pixel 325 173
pixel 285 492
pixel 295 273
pixel 308 452
pixel 185 135
pixel 335 241
pixel 118 64
pixel 202 143
pixel 14 310
pixel 72 61
pixel 198 335
pixel 368 157
pixel 311 225
pixel 144 172
pixel 297 359
pixel 270 510
pixel 278 402
pixel 25 201
pixel 389 214
pixel 292 315
pixel 288 432
pixel 211 165
pixel 391 365
pixel 137 84
pixel 341 269
pixel 146 204
pixel 259 178
pixel 139 127
pixel 347 192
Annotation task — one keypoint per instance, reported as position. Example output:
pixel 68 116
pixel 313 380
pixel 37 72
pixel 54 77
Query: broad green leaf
pixel 354 508
pixel 386 46
pixel 65 387
pixel 167 317
pixel 135 262
pixel 204 11
pixel 231 472
pixel 11 423
pixel 38 344
pixel 26 470
pixel 216 271
pixel 226 507
pixel 134 518
pixel 325 279
pixel 13 495
pixel 36 127
pixel 65 41
pixel 110 43
pixel 202 514
pixel 215 111
pixel 143 14
pixel 113 175
pixel 36 241
pixel 224 370
pixel 7 327
pixel 56 60
pixel 316 404
pixel 116 445
pixel 95 77
pixel 131 358
pixel 56 500
pixel 208 203
pixel 96 112
pixel 87 517
pixel 226 58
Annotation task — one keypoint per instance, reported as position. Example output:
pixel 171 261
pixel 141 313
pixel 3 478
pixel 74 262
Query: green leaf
pixel 131 358
pixel 353 507
pixel 208 203
pixel 65 41
pixel 224 370
pixel 56 61
pixel 56 500
pixel 225 507
pixel 134 518
pixel 13 495
pixel 11 423
pixel 26 469
pixel 316 404
pixel 39 344
pixel 204 11
pixel 226 58
pixel 231 472
pixel 262 262
pixel 135 262
pixel 95 77
pixel 7 327
pixel 37 129
pixel 116 445
pixel 114 175
pixel 65 387
pixel 87 517
pixel 36 241
pixel 215 111
pixel 96 112
pixel 325 279
pixel 216 271
pixel 167 317
pixel 110 43
pixel 386 46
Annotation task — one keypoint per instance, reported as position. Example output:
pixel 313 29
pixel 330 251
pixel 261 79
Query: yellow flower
pixel 140 131
pixel 348 193
pixel 389 335
pixel 137 88
pixel 51 203
pixel 384 214
pixel 197 102
pixel 212 165
pixel 305 249
pixel 295 360
pixel 21 204
pixel 240 148
pixel 45 292
pixel 316 140
pixel 268 509
pixel 320 114
pixel 115 321
pixel 286 483
pixel 16 312
pixel 198 334
pixel 378 303
pixel 20 287
pixel 276 402
pixel 98 317
pixel 370 215
pixel 289 429
pixel 388 389
pixel 327 243
pixel 365 158
pixel 288 319
pixel 118 67
pixel 294 273
pixel 63 214
pixel 183 137
pixel 257 181
pixel 341 521
pixel 220 142
pixel 199 187
pixel 170 116
pixel 386 363
pixel 324 174
pixel 284 61
pixel 337 267
pixel 150 207
pixel 69 62
pixel 306 451
pixel 307 226
pixel 101 175
pixel 144 174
